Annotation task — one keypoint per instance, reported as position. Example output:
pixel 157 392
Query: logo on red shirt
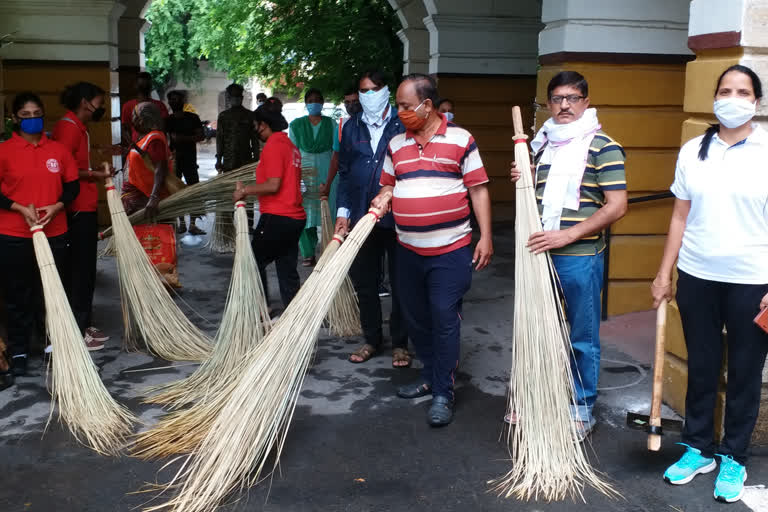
pixel 53 165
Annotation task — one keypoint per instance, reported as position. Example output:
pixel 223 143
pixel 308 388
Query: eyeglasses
pixel 571 98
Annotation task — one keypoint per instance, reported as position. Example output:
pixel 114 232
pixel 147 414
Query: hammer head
pixel 643 422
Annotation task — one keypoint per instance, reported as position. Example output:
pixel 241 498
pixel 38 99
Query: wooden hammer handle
pixel 654 440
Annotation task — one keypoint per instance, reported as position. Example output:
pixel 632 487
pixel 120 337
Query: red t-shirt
pixel 71 132
pixel 34 174
pixel 281 159
pixel 126 115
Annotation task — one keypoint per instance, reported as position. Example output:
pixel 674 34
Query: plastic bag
pixel 159 242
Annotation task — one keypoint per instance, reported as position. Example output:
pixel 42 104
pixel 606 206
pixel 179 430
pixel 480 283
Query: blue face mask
pixel 314 109
pixel 31 125
pixel 449 116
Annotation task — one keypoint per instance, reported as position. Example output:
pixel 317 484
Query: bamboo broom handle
pixel 517 123
pixel 654 440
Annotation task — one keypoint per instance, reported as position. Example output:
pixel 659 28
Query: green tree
pixel 290 44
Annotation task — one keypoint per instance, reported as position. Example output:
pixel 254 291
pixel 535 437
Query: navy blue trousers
pixel 431 289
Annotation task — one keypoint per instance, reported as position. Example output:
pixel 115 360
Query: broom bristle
pixel 93 417
pixel 244 323
pixel 548 460
pixel 149 312
pixel 255 420
pixel 344 315
pixel 204 197
pixel 182 431
pixel 222 233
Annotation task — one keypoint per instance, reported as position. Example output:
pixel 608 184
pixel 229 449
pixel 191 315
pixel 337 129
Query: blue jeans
pixel 581 278
pixel 430 290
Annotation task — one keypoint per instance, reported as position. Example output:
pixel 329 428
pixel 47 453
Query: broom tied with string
pixel 254 421
pixel 93 417
pixel 182 431
pixel 244 323
pixel 344 315
pixel 548 461
pixel 149 312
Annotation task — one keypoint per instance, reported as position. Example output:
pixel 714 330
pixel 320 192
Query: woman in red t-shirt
pixel 278 185
pixel 38 177
pixel 85 104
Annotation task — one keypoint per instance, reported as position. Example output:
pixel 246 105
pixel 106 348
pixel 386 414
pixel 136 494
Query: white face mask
pixel 374 102
pixel 734 112
pixel 449 116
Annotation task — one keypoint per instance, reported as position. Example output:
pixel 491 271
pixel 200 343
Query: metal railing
pixel 607 266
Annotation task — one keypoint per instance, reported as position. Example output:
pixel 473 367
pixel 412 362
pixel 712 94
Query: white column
pixel 614 26
pixel 414 35
pixel 75 30
pixel 483 37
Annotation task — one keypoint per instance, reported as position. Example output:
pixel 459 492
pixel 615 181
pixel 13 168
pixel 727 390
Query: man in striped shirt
pixel 577 202
pixel 429 174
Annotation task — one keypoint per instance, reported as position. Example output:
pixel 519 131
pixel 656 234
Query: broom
pixel 255 419
pixel 222 237
pixel 548 459
pixel 344 315
pixel 244 323
pixel 93 417
pixel 204 197
pixel 183 431
pixel 149 312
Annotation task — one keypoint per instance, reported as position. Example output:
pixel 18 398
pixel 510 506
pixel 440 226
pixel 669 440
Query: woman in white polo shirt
pixel 719 236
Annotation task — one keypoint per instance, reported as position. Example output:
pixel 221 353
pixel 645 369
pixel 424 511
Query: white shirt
pixel 376 131
pixel 726 233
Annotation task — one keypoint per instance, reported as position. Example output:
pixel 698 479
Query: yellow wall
pixel 48 79
pixel 641 106
pixel 483 105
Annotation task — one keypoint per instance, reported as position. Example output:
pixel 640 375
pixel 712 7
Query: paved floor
pixel 354 446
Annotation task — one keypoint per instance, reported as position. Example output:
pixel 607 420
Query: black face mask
pixel 354 108
pixel 98 114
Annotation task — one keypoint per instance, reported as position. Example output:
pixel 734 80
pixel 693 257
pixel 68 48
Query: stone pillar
pixel 60 43
pixel 484 56
pixel 721 34
pixel 633 55
pixel 414 35
pixel 132 28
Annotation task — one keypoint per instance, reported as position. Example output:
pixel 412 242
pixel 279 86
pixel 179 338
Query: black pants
pixel 366 277
pixel 188 172
pixel 276 238
pixel 22 287
pixel 705 306
pixel 83 235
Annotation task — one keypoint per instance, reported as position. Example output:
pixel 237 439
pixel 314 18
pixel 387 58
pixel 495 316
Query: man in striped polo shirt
pixel 581 189
pixel 429 174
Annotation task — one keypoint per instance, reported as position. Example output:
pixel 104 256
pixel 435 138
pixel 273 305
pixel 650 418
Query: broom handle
pixel 517 123
pixel 654 440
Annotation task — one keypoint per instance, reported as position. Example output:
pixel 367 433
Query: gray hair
pixel 147 117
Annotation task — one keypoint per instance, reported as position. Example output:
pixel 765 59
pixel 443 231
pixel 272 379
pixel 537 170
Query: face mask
pixel 734 112
pixel 448 116
pixel 411 119
pixel 374 102
pixel 259 103
pixel 97 114
pixel 354 108
pixel 31 125
pixel 314 109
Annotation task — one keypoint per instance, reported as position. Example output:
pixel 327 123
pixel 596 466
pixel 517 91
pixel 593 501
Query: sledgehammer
pixel 654 424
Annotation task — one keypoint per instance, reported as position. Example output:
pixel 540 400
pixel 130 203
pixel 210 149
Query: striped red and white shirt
pixel 430 201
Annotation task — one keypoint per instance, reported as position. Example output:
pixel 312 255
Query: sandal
pixel 364 353
pixel 401 355
pixel 181 229
pixel 194 230
pixel 511 418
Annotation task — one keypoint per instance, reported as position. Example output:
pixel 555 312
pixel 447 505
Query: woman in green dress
pixel 315 136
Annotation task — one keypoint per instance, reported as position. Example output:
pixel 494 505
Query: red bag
pixel 159 242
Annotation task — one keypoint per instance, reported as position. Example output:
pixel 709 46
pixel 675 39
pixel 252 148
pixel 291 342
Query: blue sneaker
pixel 689 465
pixel 729 486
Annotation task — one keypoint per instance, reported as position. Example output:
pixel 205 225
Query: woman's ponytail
pixel 707 140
